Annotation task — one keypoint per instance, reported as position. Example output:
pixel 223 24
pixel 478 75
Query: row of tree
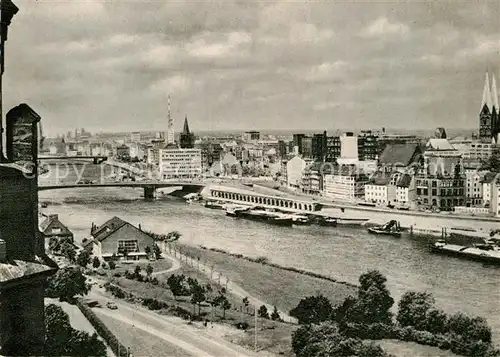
pixel 63 340
pixel 180 285
pixel 369 315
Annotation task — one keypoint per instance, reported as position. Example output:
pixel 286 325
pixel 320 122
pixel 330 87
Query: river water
pixel 343 253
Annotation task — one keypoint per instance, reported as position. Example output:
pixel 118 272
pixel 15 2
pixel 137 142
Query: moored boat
pixel 486 252
pixel 260 215
pixel 300 220
pixel 324 221
pixel 214 205
pixel 351 221
pixel 391 228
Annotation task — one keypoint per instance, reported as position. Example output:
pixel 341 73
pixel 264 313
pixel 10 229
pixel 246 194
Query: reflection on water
pixel 343 253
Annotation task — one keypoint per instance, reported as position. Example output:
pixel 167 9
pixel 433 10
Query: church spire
pixel 186 126
pixel 487 100
pixel 494 94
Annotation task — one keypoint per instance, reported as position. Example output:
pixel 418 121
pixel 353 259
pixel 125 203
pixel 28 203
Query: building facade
pixel 333 150
pixel 180 163
pixel 345 186
pixel 250 135
pixel 439 192
pixel 489 123
pixel 294 169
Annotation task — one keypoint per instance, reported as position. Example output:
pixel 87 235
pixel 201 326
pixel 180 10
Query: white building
pixel 349 148
pixel 294 169
pixel 345 187
pixel 180 163
pixel 495 197
pixel 405 189
pixel 136 150
pixel 135 137
pixel 473 149
pixel 474 187
pixel 153 156
pixel 381 189
pixel 487 183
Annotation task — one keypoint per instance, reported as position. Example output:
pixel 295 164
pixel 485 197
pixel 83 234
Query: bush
pixel 117 275
pixel 377 331
pixel 242 325
pixel 312 309
pixel 112 341
pixel 112 264
pixel 263 312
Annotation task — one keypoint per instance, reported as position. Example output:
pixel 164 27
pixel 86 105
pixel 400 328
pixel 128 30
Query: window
pixel 56 230
pixel 128 246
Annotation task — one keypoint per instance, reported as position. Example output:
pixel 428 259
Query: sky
pixel 240 65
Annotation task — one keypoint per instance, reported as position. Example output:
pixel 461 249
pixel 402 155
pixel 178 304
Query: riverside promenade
pixel 421 222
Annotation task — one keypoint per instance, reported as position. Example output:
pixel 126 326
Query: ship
pixel 343 221
pixel 486 252
pixel 391 228
pixel 214 205
pixel 260 215
pixel 300 220
pixel 324 221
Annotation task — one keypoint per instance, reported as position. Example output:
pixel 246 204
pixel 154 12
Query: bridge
pixel 95 159
pixel 149 187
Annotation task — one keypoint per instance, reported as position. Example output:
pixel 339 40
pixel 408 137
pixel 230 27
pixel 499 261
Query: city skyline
pixel 241 66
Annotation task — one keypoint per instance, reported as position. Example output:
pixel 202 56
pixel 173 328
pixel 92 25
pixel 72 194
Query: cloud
pixel 243 65
pixel 383 27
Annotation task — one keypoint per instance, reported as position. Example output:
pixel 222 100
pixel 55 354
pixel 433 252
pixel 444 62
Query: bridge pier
pixel 149 192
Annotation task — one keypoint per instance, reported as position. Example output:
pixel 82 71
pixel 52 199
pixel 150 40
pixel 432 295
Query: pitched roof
pixel 404 181
pixel 102 232
pixel 490 176
pixel 185 130
pixel 52 221
pixel 380 179
pixel 398 154
pixel 487 100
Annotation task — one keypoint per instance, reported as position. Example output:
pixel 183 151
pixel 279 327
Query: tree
pixel 96 262
pixel 322 340
pixel 149 270
pixel 436 321
pixel 198 296
pixel 147 250
pixel 175 284
pixel 83 258
pixel 157 251
pixel 313 309
pixel 374 300
pixel 340 312
pixel 224 304
pixel 275 316
pixel 413 308
pixel 494 161
pixel 137 271
pixel 68 251
pixel 471 328
pixel 112 264
pixel 173 236
pixel 263 312
pixel 62 340
pixel 246 302
pixel 66 284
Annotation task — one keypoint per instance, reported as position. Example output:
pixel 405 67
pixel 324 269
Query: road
pixel 174 331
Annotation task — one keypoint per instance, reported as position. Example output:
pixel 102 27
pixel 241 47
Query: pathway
pixel 176 264
pixel 172 330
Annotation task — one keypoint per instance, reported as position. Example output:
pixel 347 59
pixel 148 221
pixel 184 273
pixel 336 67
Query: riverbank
pixel 279 286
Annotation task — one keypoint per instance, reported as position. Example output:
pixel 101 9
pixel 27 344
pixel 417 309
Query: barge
pixel 259 215
pixel 487 252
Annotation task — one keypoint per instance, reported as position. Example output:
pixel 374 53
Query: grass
pixel 141 343
pixel 411 349
pixel 276 286
pixel 122 266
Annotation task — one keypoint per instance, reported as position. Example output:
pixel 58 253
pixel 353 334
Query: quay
pixel 420 223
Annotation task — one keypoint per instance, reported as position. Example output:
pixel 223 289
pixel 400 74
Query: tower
pixel 495 111
pixel 170 135
pixel 187 138
pixel 23 263
pixel 486 113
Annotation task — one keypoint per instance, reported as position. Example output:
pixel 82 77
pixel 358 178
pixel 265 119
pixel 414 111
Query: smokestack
pixel 140 227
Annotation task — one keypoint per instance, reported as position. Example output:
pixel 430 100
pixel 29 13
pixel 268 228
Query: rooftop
pixel 398 154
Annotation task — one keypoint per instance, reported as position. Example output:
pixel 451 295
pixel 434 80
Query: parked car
pixel 111 305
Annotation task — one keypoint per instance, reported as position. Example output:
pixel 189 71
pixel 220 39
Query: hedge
pixel 449 341
pixel 116 346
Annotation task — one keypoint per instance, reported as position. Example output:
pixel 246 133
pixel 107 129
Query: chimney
pixel 140 227
pixel 53 216
pixel 3 251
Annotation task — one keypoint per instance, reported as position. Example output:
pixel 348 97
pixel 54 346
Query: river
pixel 343 253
